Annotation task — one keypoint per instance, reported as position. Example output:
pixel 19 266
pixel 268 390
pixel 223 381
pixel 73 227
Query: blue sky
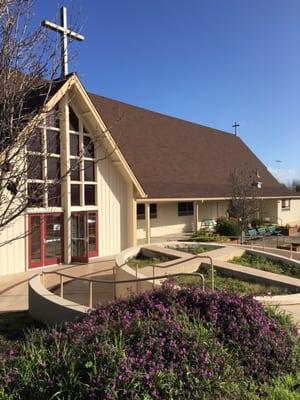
pixel 211 62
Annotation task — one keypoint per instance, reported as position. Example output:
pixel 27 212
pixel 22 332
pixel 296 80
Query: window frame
pixel 142 214
pixel 185 208
pixel 285 204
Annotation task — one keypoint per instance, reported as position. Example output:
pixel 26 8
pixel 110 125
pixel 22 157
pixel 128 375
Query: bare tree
pixel 244 203
pixel 29 60
pixel 295 185
pixel 27 68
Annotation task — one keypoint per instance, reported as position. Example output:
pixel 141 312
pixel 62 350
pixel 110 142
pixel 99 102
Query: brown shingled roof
pixel 173 158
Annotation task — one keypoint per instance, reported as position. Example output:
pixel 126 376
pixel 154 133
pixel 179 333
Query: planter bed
pixel 266 264
pixel 233 285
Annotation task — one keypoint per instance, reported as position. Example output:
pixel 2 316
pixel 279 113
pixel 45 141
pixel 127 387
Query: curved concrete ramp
pixel 49 308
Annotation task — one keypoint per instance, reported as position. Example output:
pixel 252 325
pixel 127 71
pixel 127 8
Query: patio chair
pixel 273 231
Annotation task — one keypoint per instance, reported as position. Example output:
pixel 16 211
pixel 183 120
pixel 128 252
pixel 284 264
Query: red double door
pixel 46 238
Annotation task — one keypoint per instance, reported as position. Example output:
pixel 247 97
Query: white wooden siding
pixel 112 201
pixel 13 254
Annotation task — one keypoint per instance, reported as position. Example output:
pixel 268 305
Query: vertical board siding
pixel 112 195
pixel 13 254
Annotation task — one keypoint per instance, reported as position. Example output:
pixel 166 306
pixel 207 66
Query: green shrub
pixel 227 227
pixel 211 238
pixel 166 344
pixel 286 387
pixel 203 235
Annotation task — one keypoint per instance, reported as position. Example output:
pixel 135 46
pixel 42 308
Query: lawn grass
pixel 233 285
pixel 266 264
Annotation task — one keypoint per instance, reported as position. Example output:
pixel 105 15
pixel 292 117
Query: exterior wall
pixel 292 216
pixel 168 221
pixel 112 209
pixel 269 211
pixel 212 209
pixel 13 254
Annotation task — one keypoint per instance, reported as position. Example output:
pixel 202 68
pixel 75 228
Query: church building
pixel 129 175
pixel 117 175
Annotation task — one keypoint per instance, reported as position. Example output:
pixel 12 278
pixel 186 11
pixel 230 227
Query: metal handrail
pixel 114 282
pixel 185 260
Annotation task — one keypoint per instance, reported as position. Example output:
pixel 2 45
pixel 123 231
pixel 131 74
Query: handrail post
pixel 90 294
pixel 114 284
pixel 291 251
pixel 136 277
pixel 61 286
pixel 153 274
pixel 212 275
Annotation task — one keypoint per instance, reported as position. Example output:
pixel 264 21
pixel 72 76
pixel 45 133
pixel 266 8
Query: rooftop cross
pixel 235 126
pixel 65 34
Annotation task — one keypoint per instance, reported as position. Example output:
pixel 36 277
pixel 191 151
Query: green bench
pixel 272 230
pixel 262 231
pixel 251 234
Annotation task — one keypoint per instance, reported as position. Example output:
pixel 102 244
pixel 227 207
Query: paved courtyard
pixel 14 288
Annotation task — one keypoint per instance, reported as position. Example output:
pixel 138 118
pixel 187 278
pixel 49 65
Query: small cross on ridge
pixel 65 32
pixel 235 126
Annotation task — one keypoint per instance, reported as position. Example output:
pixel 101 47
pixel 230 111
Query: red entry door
pixel 84 230
pixel 45 239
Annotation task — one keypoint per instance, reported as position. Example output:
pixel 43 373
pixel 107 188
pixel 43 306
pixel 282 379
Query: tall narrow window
pixel 35 195
pixel 75 195
pixel 88 144
pixel 90 195
pixel 153 210
pixel 73 120
pixel 140 211
pixel 53 167
pixel 89 171
pixel 74 145
pixel 52 118
pixel 75 169
pixel 35 166
pixel 54 195
pixel 53 142
pixel 34 143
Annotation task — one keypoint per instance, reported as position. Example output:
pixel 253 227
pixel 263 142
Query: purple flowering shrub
pixel 166 344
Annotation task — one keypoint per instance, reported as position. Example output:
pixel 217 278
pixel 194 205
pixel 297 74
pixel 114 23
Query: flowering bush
pixel 167 344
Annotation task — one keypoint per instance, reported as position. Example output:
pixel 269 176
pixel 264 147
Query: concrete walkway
pixel 221 257
pixel 14 288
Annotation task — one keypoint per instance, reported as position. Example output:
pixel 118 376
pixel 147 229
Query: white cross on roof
pixel 65 33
